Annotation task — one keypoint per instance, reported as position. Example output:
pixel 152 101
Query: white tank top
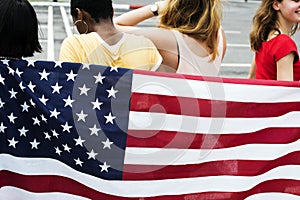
pixel 190 63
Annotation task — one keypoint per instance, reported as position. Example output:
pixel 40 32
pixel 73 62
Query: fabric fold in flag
pixel 80 131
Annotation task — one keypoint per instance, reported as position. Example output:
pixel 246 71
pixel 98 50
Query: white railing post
pixel 50 41
pixel 66 20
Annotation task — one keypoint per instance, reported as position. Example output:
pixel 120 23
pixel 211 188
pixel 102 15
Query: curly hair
pixel 98 9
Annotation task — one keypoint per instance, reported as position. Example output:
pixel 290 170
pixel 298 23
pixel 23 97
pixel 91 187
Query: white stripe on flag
pixel 148 156
pixel 213 90
pixel 13 193
pixel 205 125
pixel 31 166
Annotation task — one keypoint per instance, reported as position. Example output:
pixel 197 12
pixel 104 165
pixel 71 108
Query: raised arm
pixel 136 16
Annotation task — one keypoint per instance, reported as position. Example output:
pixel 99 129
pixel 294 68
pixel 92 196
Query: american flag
pixel 77 131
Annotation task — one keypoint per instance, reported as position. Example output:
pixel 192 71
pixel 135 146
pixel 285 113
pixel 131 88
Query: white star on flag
pixel 12 118
pixel 109 118
pixel 54 113
pixel 79 141
pixel 107 144
pixel 34 144
pixel 2 80
pixel 84 90
pixel 24 107
pixel 71 76
pixel 112 92
pixel 31 86
pixel 44 75
pixel 12 142
pixel 78 162
pixel 99 78
pixel 43 100
pixel 92 154
pixel 68 101
pixel 57 150
pixel 97 104
pixel 81 116
pixel 13 93
pixel 66 127
pixel 2 128
pixel 30 63
pixel 94 130
pixel 104 167
pixel 23 131
pixel 66 148
pixel 56 88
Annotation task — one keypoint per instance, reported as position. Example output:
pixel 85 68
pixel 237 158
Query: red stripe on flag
pixel 215 168
pixel 208 108
pixel 41 184
pixel 50 183
pixel 180 140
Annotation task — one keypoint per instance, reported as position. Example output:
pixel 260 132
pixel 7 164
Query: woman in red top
pixel 276 54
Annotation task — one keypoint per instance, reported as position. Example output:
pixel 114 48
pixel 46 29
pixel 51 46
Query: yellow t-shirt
pixel 132 51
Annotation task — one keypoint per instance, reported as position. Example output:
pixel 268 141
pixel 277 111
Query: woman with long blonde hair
pixel 189 37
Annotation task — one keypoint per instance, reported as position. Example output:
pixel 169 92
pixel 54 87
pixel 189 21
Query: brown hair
pixel 200 19
pixel 264 21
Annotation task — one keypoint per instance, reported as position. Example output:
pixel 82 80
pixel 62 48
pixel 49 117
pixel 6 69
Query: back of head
pixel 18 29
pixel 98 9
pixel 195 18
pixel 200 19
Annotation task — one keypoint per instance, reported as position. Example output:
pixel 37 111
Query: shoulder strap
pixel 177 36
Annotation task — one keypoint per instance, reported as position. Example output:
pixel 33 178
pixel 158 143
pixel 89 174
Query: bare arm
pixel 224 43
pixel 252 70
pixel 163 39
pixel 136 16
pixel 285 68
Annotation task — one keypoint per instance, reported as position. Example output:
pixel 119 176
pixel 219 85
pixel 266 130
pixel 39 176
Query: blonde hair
pixel 200 19
pixel 264 21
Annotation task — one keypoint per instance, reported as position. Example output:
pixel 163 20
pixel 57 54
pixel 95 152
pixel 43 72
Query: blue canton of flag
pixel 71 112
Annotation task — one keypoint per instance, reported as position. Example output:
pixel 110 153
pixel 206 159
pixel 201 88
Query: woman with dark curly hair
pixel 101 43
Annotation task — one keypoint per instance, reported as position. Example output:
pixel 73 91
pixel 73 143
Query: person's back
pixel 101 43
pixel 18 30
pixel 189 38
pixel 197 60
pixel 130 51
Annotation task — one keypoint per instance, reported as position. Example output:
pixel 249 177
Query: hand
pixel 161 6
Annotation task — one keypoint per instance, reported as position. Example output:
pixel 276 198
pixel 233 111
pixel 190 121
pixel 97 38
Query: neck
pixel 285 26
pixel 106 29
pixel 108 33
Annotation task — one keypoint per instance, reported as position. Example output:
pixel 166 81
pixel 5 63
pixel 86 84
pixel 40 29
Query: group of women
pixel 189 38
